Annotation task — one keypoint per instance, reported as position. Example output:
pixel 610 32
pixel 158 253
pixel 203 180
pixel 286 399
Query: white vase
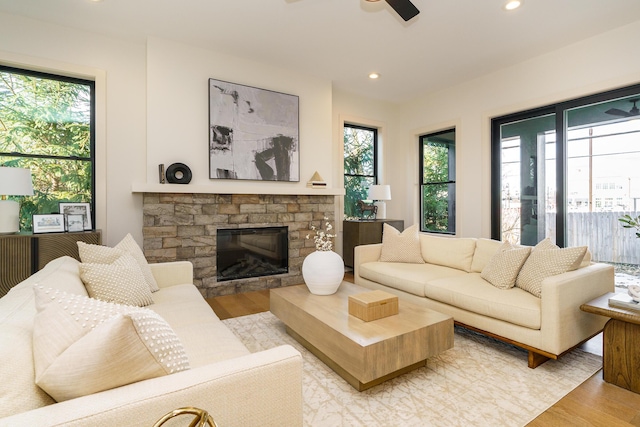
pixel 323 272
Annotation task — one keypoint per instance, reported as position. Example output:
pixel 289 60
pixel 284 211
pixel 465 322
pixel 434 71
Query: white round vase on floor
pixel 323 272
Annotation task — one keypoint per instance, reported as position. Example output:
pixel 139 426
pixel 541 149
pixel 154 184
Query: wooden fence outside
pixel 603 233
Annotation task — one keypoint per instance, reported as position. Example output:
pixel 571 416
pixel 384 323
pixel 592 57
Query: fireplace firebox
pixel 251 252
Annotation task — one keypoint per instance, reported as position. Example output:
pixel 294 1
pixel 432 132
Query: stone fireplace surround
pixel 183 227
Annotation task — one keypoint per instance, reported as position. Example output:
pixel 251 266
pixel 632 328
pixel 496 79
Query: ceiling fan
pixel 618 112
pixel 404 8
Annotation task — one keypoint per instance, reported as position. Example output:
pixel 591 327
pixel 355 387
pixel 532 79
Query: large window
pixel 569 171
pixel 438 182
pixel 360 165
pixel 47 126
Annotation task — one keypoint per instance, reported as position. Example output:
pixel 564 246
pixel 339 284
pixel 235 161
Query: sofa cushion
pixel 18 390
pixel 472 293
pixel 205 338
pixel 503 267
pixel 400 247
pixel 485 249
pixel 409 278
pixel 97 254
pixel 82 345
pixel 120 282
pixel 450 252
pixel 547 260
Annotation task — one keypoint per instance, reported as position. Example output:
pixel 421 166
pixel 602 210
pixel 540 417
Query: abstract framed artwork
pixel 253 133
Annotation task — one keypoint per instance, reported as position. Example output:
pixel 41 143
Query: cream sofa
pixel 236 387
pixel 450 282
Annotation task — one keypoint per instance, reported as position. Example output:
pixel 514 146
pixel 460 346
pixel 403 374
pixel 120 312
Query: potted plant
pixel 630 222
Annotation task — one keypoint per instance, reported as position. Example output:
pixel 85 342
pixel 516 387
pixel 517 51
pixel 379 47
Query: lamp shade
pixel 15 182
pixel 380 192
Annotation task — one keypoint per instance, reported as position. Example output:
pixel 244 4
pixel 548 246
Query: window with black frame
pixel 438 182
pixel 569 172
pixel 360 165
pixel 47 125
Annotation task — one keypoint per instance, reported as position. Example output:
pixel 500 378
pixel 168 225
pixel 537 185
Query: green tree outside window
pixel 46 126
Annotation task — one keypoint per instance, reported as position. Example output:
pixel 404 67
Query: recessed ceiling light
pixel 374 76
pixel 512 4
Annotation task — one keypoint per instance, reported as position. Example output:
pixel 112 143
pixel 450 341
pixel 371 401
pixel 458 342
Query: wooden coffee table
pixel 363 353
pixel 620 343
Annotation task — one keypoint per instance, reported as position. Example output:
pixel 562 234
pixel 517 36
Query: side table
pixel 620 342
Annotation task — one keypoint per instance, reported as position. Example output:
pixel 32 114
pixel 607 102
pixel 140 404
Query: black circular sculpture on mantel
pixel 178 173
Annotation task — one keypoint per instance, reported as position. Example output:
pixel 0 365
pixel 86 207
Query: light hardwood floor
pixel 593 403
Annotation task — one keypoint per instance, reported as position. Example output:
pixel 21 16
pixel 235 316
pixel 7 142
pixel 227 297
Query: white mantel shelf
pixel 254 188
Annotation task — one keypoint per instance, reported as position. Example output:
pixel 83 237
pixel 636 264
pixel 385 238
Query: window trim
pixel 559 110
pixel 92 128
pixel 452 221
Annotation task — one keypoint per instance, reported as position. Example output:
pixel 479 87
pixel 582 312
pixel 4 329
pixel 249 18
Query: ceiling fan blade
pixel 618 112
pixel 404 8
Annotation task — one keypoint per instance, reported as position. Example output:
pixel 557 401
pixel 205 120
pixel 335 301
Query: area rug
pixel 479 382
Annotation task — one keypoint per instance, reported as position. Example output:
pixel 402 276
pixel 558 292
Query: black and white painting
pixel 253 133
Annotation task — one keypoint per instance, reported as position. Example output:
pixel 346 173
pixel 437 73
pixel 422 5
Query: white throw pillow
pixel 121 282
pixel 82 345
pixel 546 260
pixel 97 254
pixel 400 247
pixel 503 267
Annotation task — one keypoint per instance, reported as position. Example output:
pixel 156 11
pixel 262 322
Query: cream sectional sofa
pixel 236 387
pixel 450 281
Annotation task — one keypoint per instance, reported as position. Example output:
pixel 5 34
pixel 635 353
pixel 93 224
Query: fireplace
pixel 251 252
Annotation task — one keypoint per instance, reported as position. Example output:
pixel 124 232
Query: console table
pixel 620 343
pixel 364 232
pixel 23 254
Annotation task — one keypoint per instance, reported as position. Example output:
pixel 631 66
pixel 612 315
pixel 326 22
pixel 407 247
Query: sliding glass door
pixel 569 172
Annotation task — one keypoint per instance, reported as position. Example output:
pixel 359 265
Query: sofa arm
pixel 172 273
pixel 563 324
pixel 259 389
pixel 365 253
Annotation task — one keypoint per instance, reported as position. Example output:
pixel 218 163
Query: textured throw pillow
pixel 503 267
pixel 401 247
pixel 121 282
pixel 82 346
pixel 547 260
pixel 97 254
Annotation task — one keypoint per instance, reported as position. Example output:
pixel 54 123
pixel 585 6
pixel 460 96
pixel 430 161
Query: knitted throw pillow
pixel 401 247
pixel 82 345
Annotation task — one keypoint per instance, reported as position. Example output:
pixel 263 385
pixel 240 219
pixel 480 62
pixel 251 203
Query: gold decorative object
pixel 201 419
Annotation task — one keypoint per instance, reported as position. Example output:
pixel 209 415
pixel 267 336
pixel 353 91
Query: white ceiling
pixel 449 42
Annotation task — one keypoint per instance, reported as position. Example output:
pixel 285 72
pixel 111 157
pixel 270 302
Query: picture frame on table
pixel 75 208
pixel 74 222
pixel 48 223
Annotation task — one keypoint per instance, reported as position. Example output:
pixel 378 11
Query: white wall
pixel 119 70
pixel 178 118
pixel 593 65
pixel 152 108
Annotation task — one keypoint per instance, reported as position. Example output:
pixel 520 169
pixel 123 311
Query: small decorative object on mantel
pixel 323 270
pixel 316 181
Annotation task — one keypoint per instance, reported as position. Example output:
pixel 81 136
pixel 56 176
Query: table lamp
pixel 13 182
pixel 378 193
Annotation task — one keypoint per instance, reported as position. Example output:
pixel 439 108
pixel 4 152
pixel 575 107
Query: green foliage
pixel 50 122
pixel 630 222
pixel 435 189
pixel 359 165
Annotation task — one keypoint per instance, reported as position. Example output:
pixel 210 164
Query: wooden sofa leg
pixel 536 359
